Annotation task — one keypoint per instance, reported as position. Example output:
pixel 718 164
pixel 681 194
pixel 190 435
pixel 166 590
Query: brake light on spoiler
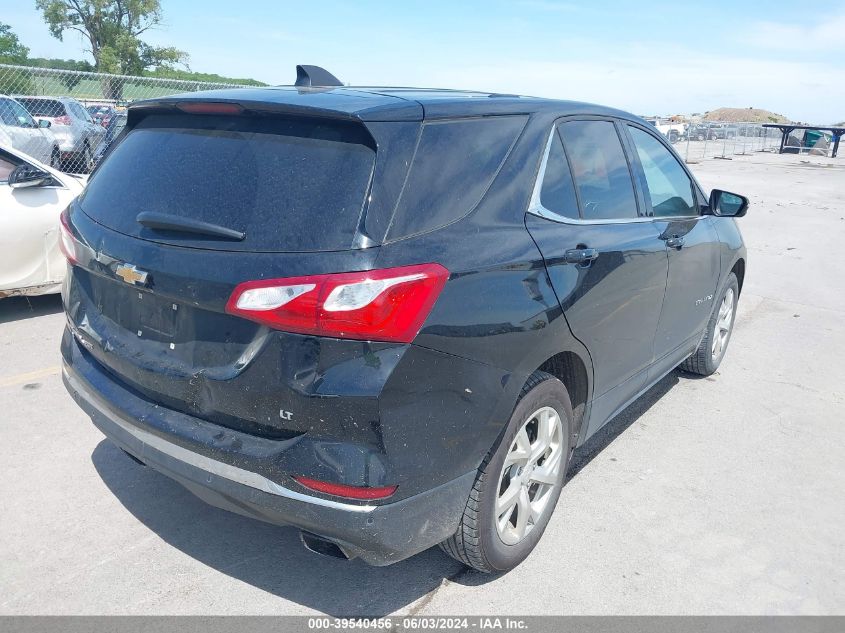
pixel 389 304
pixel 210 107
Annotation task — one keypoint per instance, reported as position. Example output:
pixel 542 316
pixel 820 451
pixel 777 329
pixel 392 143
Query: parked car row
pixel 708 131
pixel 76 132
pixel 102 114
pixel 57 131
pixel 670 129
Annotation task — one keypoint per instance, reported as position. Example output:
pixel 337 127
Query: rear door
pixel 691 243
pixel 605 259
pixel 37 144
pixel 93 131
pixel 10 126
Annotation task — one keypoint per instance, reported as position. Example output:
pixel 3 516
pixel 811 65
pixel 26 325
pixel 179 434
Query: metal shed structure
pixel 788 128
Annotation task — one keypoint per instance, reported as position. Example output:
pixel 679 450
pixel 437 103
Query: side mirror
pixel 26 175
pixel 44 123
pixel 727 205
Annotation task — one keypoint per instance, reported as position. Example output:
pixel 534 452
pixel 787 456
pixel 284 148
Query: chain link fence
pixel 697 141
pixel 67 119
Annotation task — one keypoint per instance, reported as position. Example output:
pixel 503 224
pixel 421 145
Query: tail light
pixel 68 242
pixel 62 120
pixel 350 492
pixel 390 304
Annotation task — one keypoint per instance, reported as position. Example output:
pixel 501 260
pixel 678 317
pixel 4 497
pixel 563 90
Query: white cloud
pixel 826 35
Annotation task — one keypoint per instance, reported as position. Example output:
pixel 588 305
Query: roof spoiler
pixel 315 76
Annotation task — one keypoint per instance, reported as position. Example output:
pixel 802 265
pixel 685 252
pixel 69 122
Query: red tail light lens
pixel 67 242
pixel 350 492
pixel 390 304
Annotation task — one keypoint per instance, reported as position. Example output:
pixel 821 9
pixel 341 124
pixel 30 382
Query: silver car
pixel 20 131
pixel 77 134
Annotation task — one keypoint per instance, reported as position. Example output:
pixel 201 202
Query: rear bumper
pixel 378 534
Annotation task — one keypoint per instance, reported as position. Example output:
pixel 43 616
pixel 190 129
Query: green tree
pixel 13 52
pixel 185 75
pixel 69 81
pixel 113 29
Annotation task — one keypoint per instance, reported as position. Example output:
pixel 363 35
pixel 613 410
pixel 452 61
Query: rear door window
pixel 600 170
pixel 78 112
pixel 288 184
pixel 44 107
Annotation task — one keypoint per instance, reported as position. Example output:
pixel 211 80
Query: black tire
pixel 703 361
pixel 477 543
pixel 87 159
pixel 56 159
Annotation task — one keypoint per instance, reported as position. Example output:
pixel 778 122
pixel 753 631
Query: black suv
pixel 387 316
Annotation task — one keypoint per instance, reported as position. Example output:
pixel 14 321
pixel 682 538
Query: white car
pixel 21 132
pixel 32 197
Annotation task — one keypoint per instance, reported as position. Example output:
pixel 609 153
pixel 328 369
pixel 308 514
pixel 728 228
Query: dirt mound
pixel 750 115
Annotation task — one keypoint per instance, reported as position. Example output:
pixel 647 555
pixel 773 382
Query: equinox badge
pixel 131 275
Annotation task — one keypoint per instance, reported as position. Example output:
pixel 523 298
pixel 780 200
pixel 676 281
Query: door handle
pixel 675 242
pixel 580 255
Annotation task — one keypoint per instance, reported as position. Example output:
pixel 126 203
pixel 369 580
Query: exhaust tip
pixel 323 546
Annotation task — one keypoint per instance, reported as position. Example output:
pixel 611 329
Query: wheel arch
pixel 739 270
pixel 574 373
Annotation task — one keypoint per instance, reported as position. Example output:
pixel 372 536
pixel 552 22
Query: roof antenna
pixel 315 76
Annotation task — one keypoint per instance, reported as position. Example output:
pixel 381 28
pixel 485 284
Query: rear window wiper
pixel 167 222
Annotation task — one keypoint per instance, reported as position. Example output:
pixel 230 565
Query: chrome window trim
pixel 535 206
pixel 213 466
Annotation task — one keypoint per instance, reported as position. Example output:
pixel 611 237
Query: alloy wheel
pixel 529 475
pixel 724 320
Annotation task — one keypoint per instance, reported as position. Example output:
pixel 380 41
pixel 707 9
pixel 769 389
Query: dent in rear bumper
pixel 378 534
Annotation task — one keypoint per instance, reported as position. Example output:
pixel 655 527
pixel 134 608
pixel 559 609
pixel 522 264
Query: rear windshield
pixel 288 184
pixel 43 107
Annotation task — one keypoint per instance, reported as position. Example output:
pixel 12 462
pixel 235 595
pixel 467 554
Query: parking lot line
pixel 11 381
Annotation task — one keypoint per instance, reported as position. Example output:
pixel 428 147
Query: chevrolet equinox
pixel 387 316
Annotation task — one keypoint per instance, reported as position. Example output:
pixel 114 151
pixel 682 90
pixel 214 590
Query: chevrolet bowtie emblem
pixel 131 275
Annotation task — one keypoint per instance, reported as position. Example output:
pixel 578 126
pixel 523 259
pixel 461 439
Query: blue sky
pixel 647 57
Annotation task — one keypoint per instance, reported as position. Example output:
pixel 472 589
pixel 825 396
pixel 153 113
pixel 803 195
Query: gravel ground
pixel 719 495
